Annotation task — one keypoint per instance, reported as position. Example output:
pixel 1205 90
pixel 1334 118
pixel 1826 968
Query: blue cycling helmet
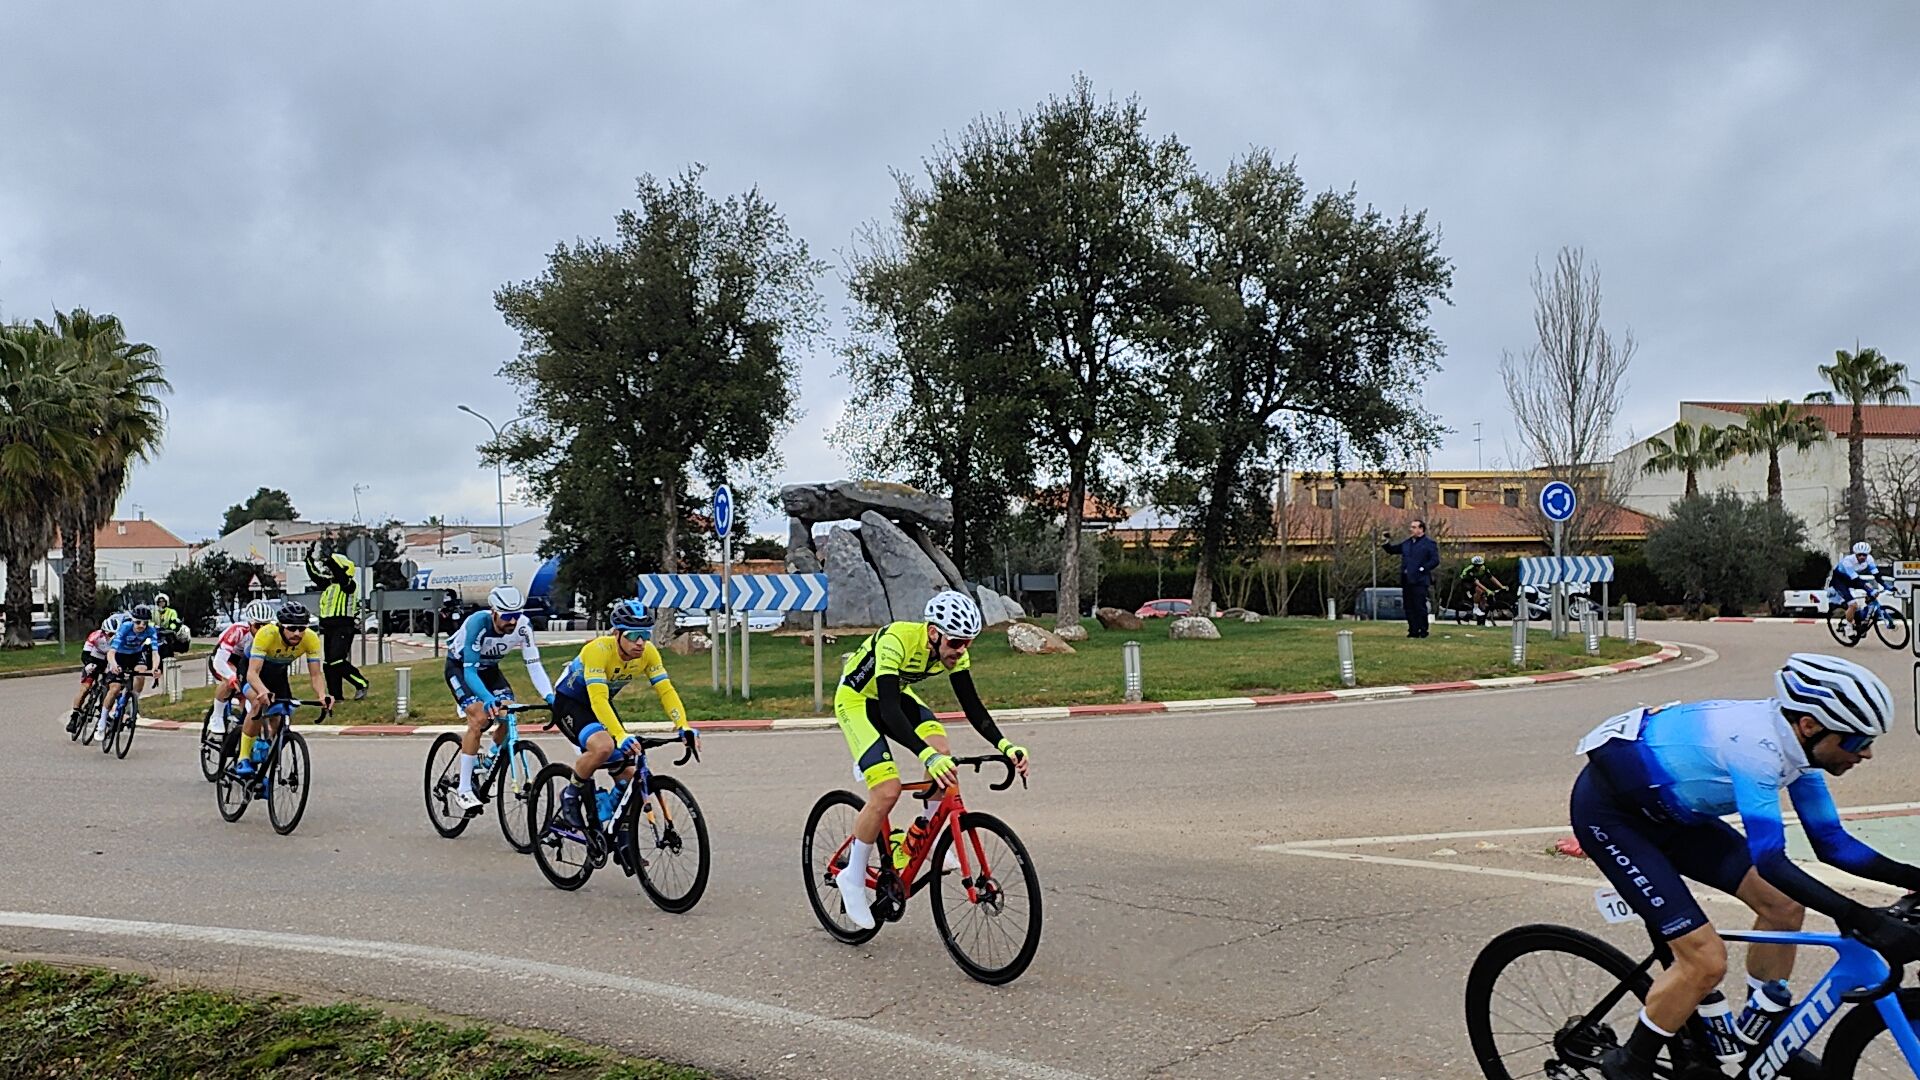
pixel 629 615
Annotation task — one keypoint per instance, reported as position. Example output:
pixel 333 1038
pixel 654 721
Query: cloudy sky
pixel 308 207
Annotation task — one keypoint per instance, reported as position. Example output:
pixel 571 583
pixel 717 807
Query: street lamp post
pixel 499 484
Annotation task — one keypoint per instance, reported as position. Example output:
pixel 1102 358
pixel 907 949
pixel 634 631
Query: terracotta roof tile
pixel 1876 421
pixel 135 533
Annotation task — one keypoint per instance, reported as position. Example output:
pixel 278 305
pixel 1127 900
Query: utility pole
pixel 357 489
pixel 1476 446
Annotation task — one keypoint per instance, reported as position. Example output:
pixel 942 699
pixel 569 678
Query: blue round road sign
pixel 1556 501
pixel 722 511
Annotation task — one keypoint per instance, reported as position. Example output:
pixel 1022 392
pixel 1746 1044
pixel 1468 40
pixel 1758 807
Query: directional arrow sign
pixel 1556 501
pixel 722 512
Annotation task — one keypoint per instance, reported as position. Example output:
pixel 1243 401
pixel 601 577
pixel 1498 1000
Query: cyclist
pixel 167 622
pixel 93 661
pixel 1647 808
pixel 228 665
pixel 583 701
pixel 875 702
pixel 273 650
pixel 136 640
pixel 479 688
pixel 1855 577
pixel 1476 574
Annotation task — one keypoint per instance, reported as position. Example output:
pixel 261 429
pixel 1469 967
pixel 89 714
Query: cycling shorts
pixel 490 677
pixel 90 668
pixel 575 720
pixel 130 661
pixel 1644 853
pixel 273 679
pixel 867 733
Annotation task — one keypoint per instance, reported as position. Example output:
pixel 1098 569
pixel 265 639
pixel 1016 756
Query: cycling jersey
pixel 599 673
pixel 1852 572
pixel 476 646
pixel 272 647
pixel 869 705
pixel 1476 575
pixel 231 650
pixel 900 649
pixel 96 644
pixel 130 642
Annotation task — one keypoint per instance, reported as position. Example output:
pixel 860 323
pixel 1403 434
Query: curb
pixel 1668 652
pixel 1781 620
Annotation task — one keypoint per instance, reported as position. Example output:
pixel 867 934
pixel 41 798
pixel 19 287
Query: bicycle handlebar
pixel 993 759
pixel 647 742
pixel 1904 909
pixel 515 706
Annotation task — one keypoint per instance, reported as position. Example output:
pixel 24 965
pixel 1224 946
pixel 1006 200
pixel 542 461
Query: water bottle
pixel 1765 1007
pixel 1717 1016
pixel 605 799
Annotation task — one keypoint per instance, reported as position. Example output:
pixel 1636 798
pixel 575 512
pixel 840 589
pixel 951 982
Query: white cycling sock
pixel 860 853
pixel 466 772
pixel 1653 1027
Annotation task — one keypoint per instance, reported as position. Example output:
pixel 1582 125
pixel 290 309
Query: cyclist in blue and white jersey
pixel 473 674
pixel 1855 577
pixel 1648 808
pixel 137 640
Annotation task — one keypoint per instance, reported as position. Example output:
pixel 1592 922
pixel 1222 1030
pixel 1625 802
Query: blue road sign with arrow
pixel 1557 501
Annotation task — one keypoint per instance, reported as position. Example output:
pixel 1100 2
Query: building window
pixel 1323 498
pixel 139 568
pixel 1510 496
pixel 1452 496
pixel 1397 498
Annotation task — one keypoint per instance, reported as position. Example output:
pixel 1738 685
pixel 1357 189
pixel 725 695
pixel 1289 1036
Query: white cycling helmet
pixel 954 614
pixel 505 600
pixel 1479 560
pixel 1863 548
pixel 257 611
pixel 1841 694
pixel 114 622
pixel 162 599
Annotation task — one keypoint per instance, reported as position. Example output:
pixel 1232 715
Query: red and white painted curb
pixel 1668 652
pixel 1782 620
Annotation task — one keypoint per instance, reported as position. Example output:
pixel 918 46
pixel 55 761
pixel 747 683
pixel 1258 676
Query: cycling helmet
pixel 142 613
pixel 954 614
pixel 163 600
pixel 258 611
pixel 112 623
pixel 1479 560
pixel 630 615
pixel 505 600
pixel 293 615
pixel 1841 694
pixel 1863 548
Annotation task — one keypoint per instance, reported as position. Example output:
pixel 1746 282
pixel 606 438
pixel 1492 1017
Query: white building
pixel 125 551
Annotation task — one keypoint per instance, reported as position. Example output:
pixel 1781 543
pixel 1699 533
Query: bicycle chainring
pixel 889 897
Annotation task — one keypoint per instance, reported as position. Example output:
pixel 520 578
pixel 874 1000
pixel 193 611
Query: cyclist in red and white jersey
pixel 228 664
pixel 93 661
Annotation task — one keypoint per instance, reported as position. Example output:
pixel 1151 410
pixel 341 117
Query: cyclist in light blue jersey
pixel 479 688
pixel 1855 577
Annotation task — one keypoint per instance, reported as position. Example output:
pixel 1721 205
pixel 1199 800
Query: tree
pixel 192 591
pixel 48 458
pixel 1726 550
pixel 267 504
pixel 1861 377
pixel 1771 428
pixel 1566 389
pixel 1690 450
pixel 647 361
pixel 1312 338
pixel 386 569
pixel 233 579
pixel 764 547
pixel 1893 503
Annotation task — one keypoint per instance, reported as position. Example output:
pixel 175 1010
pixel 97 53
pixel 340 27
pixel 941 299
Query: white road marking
pixel 461 960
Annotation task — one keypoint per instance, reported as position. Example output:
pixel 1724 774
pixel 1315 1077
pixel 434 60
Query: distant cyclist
pixel 135 647
pixel 93 661
pixel 1477 574
pixel 479 687
pixel 1855 577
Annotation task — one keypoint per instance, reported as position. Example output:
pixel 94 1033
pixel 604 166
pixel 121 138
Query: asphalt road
pixel 1182 937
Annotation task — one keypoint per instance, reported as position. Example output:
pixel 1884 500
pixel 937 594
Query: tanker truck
pixel 468 578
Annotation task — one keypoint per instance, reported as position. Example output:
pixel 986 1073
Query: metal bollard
pixel 1130 668
pixel 402 690
pixel 1519 641
pixel 1333 610
pixel 1345 641
pixel 170 678
pixel 1590 625
pixel 1630 623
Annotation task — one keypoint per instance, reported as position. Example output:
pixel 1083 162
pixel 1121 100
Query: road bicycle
pixel 650 826
pixel 121 712
pixel 216 750
pixel 987 910
pixel 80 720
pixel 1547 1001
pixel 1889 624
pixel 504 775
pixel 284 778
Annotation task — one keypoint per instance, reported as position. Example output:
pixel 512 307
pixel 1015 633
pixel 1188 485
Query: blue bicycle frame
pixel 1858 975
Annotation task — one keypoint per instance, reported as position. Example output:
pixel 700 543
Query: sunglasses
pixel 958 644
pixel 637 635
pixel 507 617
pixel 1856 744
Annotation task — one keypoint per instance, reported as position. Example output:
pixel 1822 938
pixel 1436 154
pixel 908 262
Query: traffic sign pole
pixel 723 525
pixel 1559 588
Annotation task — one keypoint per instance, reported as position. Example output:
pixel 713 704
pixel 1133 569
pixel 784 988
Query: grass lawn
pixel 45 657
pixel 87 1024
pixel 1275 656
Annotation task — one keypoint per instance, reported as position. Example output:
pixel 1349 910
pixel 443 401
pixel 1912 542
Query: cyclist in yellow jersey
pixel 583 700
pixel 273 651
pixel 875 702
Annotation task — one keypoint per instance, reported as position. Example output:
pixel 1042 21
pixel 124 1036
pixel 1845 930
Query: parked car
pixel 758 622
pixel 1164 609
pixel 1379 603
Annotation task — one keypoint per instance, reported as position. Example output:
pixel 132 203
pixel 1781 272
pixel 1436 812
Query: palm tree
pixel 48 414
pixel 1771 428
pixel 127 378
pixel 1691 450
pixel 1861 377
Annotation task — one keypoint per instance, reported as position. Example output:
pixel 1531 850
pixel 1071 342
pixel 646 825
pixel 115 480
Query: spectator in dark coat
pixel 1419 558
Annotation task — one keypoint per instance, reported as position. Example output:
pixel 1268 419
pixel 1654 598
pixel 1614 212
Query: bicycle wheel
pixel 823 852
pixel 559 848
pixel 1841 627
pixel 1861 1047
pixel 994 934
pixel 230 794
pixel 441 781
pixel 1528 991
pixel 129 723
pixel 668 834
pixel 91 718
pixel 210 748
pixel 513 788
pixel 112 730
pixel 289 782
pixel 1893 629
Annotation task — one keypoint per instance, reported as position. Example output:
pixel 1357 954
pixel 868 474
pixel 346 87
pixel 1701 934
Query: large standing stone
pixel 1033 640
pixel 941 560
pixel 1116 619
pixel 1013 607
pixel 801 558
pixel 854 594
pixel 908 576
pixel 846 499
pixel 1193 628
pixel 993 607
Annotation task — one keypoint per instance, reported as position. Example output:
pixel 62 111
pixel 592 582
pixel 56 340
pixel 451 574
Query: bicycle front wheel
pixel 558 847
pixel 1841 627
pixel 667 841
pixel 1893 629
pixel 129 723
pixel 1529 991
pixel 988 912
pixel 823 851
pixel 289 782
pixel 210 749
pixel 513 784
pixel 1862 1047
pixel 442 780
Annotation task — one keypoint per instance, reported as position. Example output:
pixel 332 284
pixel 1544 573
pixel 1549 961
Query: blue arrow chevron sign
pixel 779 592
pixel 1568 569
pixel 688 592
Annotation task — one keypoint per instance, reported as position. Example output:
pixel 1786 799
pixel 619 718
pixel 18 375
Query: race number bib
pixel 1625 726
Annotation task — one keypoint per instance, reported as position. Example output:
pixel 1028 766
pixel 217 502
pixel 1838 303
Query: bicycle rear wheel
pixel 441 781
pixel 823 851
pixel 667 837
pixel 230 794
pixel 1841 627
pixel 1893 629
pixel 513 792
pixel 289 782
pixel 994 934
pixel 560 849
pixel 129 723
pixel 1527 995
